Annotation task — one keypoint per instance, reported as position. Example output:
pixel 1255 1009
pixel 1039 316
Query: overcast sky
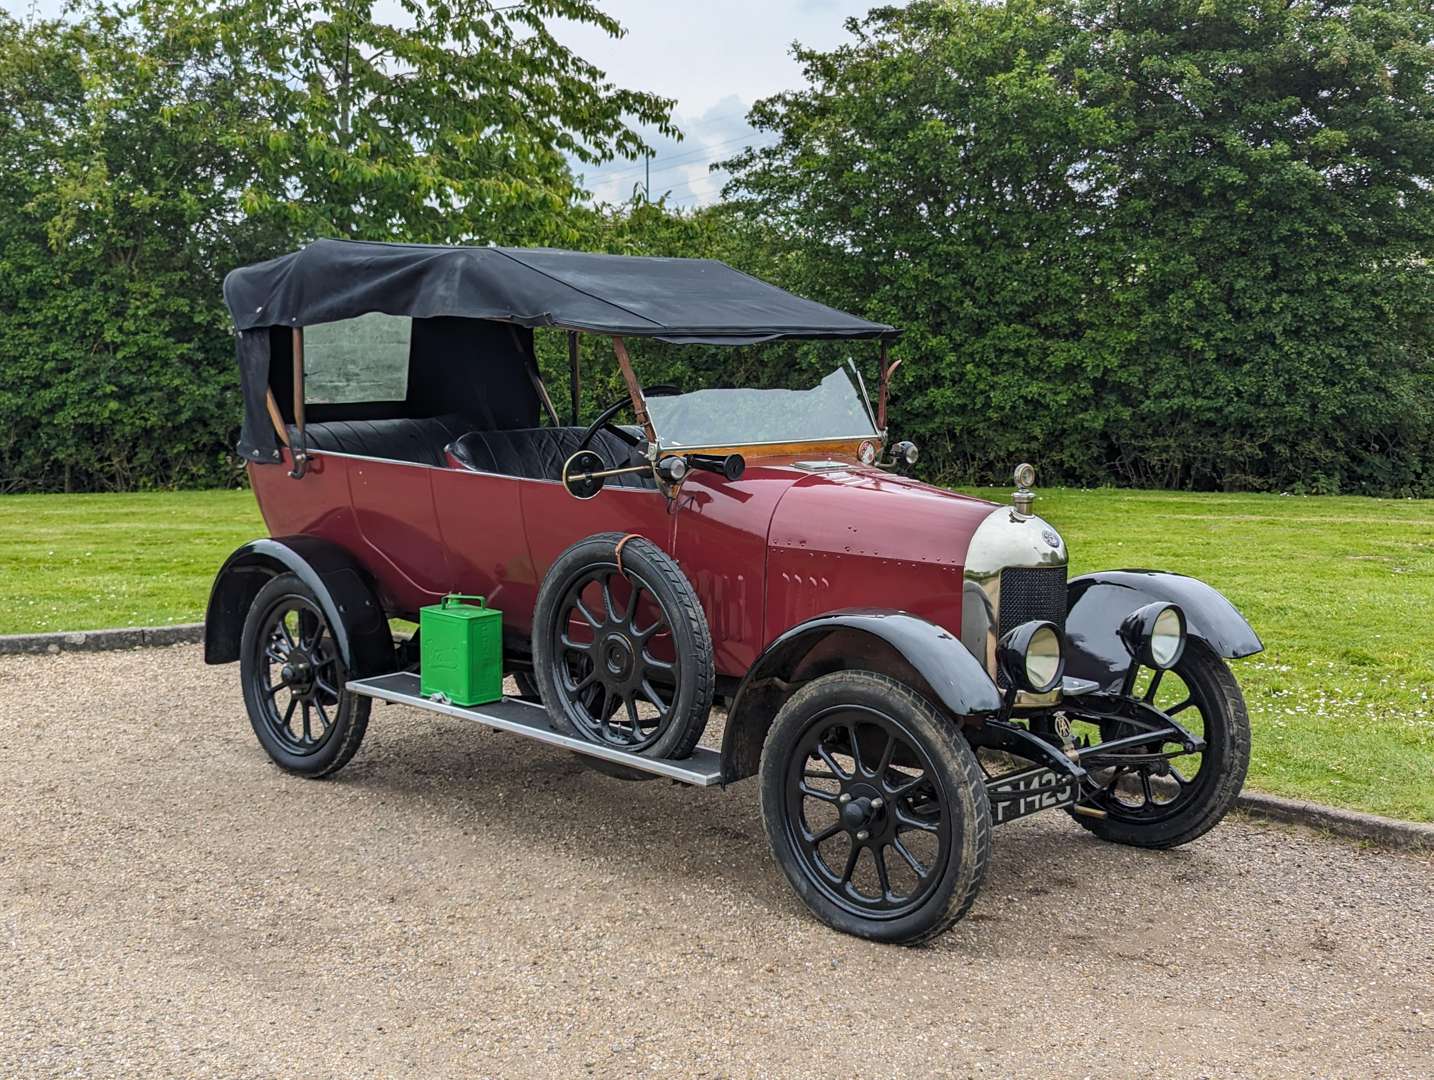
pixel 715 57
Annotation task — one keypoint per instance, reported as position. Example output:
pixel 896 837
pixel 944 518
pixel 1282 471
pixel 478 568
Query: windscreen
pixel 833 409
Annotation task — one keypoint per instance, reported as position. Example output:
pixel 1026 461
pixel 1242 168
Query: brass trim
pixel 774 449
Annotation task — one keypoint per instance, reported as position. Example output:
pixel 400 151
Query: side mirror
pixel 584 474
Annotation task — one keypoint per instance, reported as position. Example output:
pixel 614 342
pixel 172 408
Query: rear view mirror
pixel 584 474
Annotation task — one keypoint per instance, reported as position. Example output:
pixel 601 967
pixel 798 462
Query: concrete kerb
pixel 130 637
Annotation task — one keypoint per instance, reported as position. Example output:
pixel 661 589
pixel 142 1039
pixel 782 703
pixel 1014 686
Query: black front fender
pixel 337 579
pixel 1098 602
pixel 921 654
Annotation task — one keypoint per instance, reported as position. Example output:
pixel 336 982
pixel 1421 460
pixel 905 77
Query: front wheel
pixel 1165 804
pixel 875 808
pixel 622 656
pixel 293 675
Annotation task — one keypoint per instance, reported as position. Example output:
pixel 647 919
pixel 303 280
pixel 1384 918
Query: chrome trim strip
pixel 382 460
pixel 702 769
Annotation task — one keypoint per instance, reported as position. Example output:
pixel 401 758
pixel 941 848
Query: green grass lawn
pixel 80 562
pixel 1340 589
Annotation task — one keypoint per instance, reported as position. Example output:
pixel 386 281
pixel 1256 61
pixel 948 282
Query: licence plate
pixel 1029 792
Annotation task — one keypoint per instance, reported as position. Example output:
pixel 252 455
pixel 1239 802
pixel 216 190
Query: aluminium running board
pixel 703 768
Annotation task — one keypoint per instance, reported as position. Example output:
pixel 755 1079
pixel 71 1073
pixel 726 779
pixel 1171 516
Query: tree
pixel 450 127
pixel 147 150
pixel 1174 243
pixel 1275 162
pixel 939 174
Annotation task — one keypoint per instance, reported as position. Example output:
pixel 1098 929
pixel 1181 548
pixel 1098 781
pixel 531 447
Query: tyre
pixel 527 685
pixel 622 655
pixel 1166 804
pixel 875 808
pixel 293 677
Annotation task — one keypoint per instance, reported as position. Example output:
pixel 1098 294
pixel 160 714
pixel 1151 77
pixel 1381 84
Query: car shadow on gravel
pixel 712 840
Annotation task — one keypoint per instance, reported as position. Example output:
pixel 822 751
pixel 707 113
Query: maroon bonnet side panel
pixel 864 538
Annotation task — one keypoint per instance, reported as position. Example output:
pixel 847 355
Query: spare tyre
pixel 621 651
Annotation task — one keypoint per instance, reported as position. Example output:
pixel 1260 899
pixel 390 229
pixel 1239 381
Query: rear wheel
pixel 293 676
pixel 1165 804
pixel 875 808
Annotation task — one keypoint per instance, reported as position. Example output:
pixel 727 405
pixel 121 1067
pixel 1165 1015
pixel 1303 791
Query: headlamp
pixel 905 452
pixel 1033 656
pixel 1155 635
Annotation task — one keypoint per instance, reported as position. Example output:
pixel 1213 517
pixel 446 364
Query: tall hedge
pixel 149 146
pixel 1162 242
pixel 115 362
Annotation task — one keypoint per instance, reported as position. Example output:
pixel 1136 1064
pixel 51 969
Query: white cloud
pixel 716 59
pixel 680 170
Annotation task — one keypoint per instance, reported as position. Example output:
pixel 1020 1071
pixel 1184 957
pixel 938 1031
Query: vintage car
pixel 900 666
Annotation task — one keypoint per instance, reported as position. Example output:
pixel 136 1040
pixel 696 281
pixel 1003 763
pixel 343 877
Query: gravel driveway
pixel 464 903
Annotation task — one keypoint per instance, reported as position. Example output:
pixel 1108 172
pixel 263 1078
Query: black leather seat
pixel 539 453
pixel 420 441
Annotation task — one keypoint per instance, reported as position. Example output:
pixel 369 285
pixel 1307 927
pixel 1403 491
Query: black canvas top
pixel 678 300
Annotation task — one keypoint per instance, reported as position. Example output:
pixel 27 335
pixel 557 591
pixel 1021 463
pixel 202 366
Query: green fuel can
pixel 460 646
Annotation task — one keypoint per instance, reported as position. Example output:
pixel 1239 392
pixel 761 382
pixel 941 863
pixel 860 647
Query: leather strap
pixel 634 388
pixel 617 551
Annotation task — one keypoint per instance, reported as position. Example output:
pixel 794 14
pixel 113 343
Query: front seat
pixel 539 453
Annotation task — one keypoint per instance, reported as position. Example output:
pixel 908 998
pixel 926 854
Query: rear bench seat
pixel 417 441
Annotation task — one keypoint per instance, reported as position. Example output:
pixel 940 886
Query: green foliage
pixel 145 151
pixel 447 125
pixel 1181 244
pixel 1167 243
pixel 115 365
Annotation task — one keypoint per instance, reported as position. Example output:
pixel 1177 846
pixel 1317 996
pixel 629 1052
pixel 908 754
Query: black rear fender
pixel 929 659
pixel 342 586
pixel 1097 603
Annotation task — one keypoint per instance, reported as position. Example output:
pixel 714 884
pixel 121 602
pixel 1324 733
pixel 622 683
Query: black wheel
pixel 293 677
pixel 1165 804
pixel 875 808
pixel 623 657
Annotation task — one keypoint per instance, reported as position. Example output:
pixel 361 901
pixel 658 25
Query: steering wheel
pixel 604 418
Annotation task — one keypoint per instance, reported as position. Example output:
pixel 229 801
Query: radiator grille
pixel 1032 592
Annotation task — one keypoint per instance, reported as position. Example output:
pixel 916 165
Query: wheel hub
pixel 298 672
pixel 617 656
pixel 863 812
pixel 855 814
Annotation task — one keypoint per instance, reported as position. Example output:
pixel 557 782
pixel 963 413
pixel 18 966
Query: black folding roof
pixel 677 300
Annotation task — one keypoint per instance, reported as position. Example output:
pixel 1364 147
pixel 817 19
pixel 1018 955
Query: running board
pixel 703 768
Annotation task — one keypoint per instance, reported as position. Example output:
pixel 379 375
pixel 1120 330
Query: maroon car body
pixel 875 639
pixel 764 553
